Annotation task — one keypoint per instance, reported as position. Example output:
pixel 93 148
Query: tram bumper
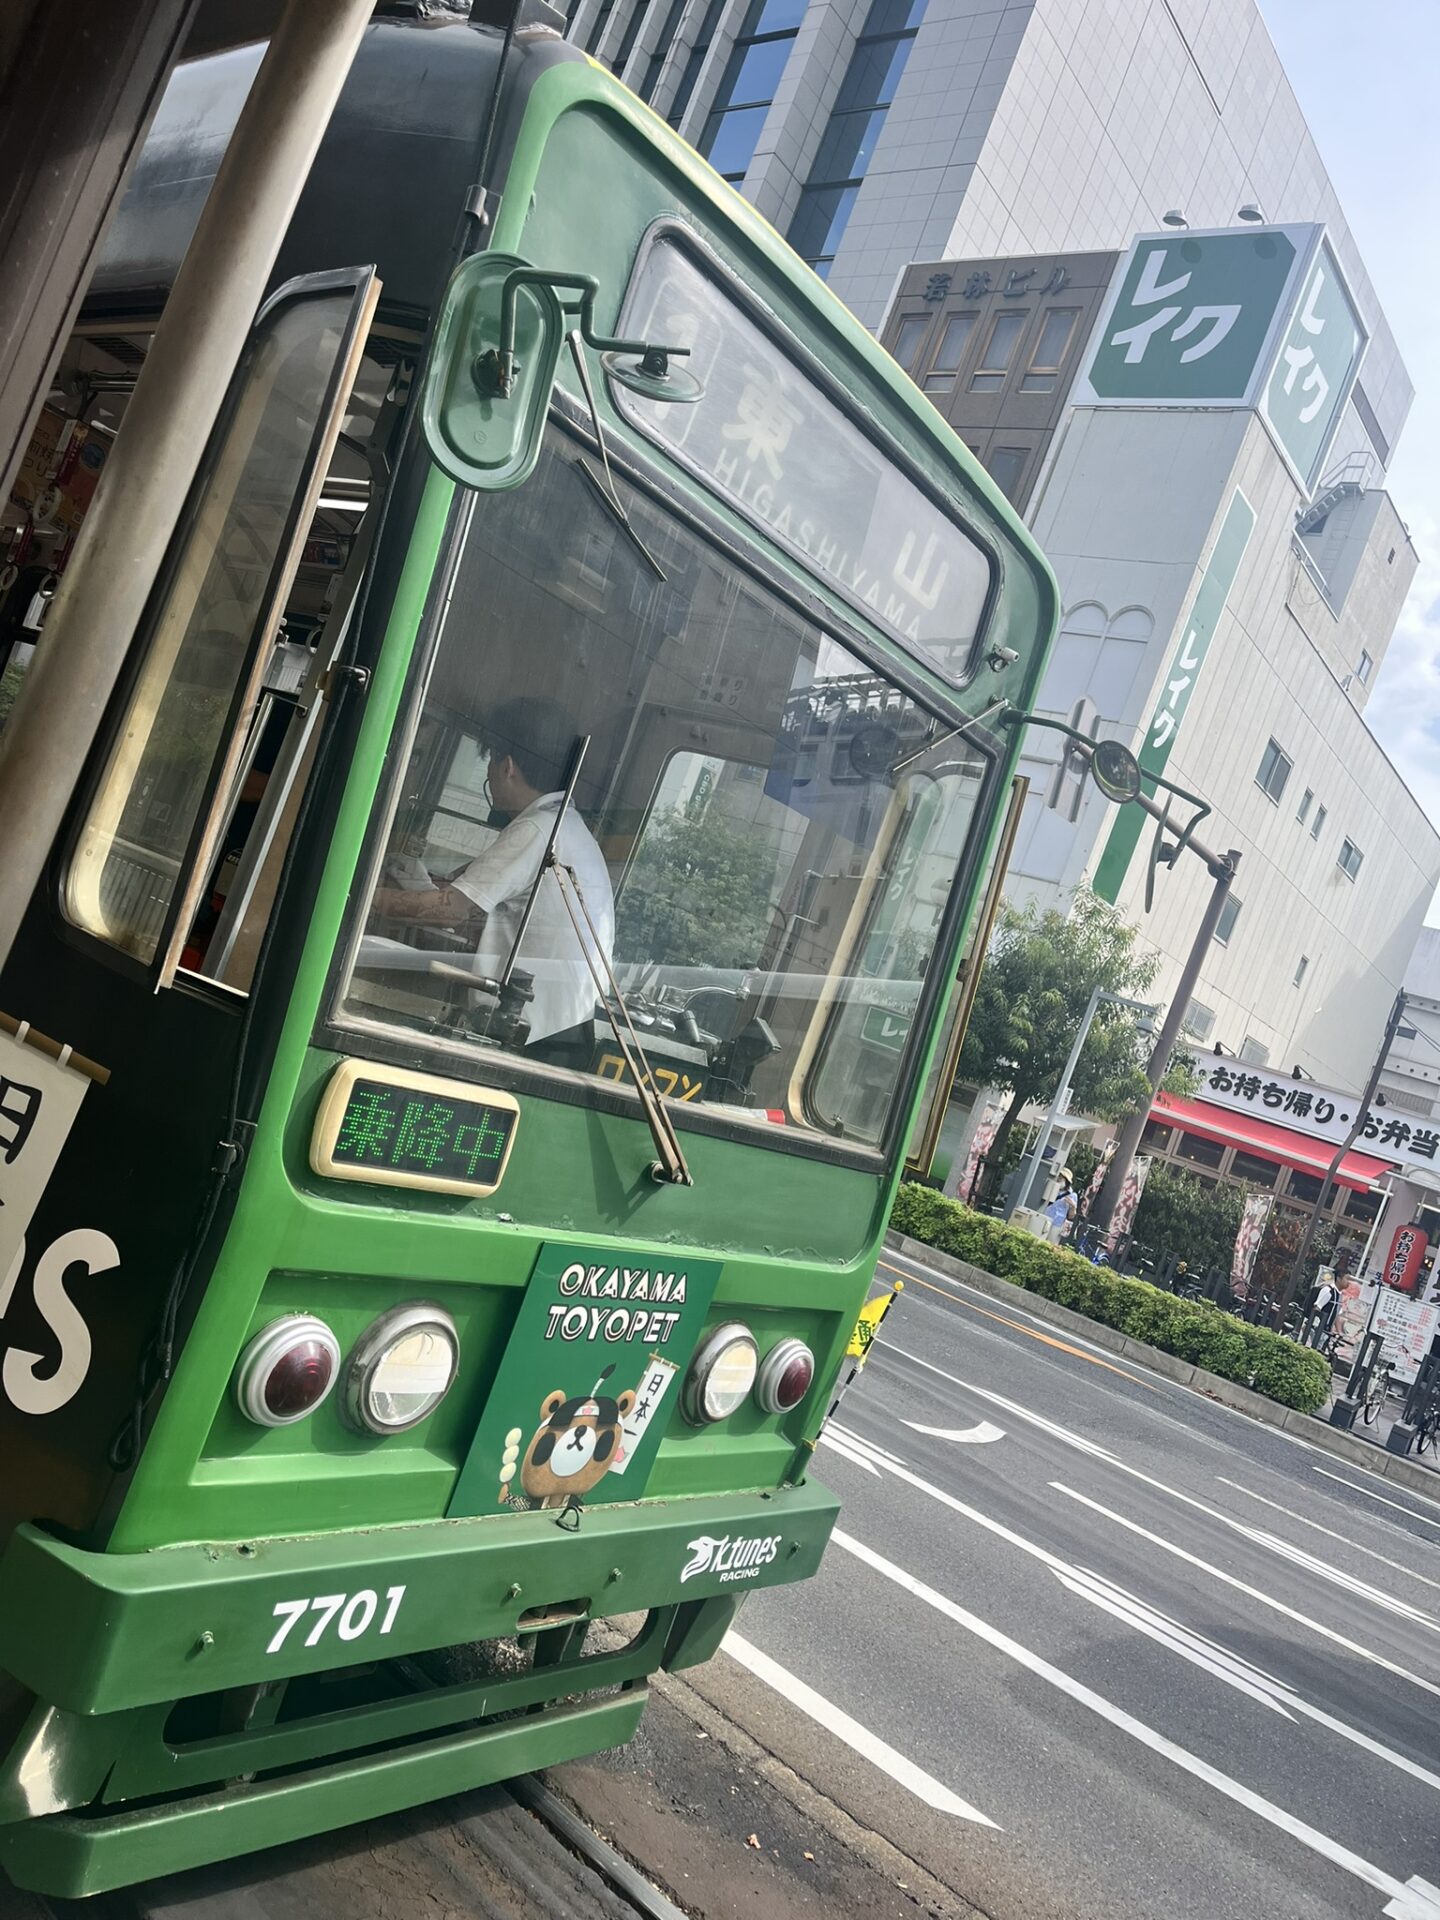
pixel 101 1785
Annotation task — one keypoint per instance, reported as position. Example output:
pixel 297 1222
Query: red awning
pixel 1259 1136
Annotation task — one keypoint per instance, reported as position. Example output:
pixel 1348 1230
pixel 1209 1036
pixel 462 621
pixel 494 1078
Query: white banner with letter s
pixel 39 1099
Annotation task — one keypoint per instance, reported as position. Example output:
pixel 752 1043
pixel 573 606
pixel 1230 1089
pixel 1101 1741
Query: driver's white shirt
pixel 499 881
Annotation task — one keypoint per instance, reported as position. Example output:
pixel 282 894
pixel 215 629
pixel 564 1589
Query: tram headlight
pixel 721 1375
pixel 287 1370
pixel 403 1366
pixel 785 1376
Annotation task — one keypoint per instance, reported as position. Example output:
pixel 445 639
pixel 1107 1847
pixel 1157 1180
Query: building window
pixel 655 64
pixel 1254 1168
pixel 1225 925
pixel 950 352
pixel 1365 668
pixel 1318 823
pixel 1350 858
pixel 1304 1187
pixel 1005 332
pixel 1006 465
pixel 691 74
pixel 1049 355
pixel 631 34
pixel 1156 1137
pixel 910 339
pixel 1275 765
pixel 848 144
pixel 1253 1053
pixel 1301 968
pixel 752 73
pixel 1199 1151
pixel 1304 806
pixel 1199 1021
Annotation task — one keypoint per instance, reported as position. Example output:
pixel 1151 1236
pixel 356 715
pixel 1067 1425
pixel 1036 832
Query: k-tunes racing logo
pixel 732 1557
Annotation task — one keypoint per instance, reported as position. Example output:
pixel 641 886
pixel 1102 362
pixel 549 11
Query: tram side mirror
pixel 488 389
pixel 497 346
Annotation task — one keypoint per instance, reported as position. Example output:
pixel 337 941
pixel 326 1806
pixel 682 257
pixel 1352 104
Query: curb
pixel 1365 1454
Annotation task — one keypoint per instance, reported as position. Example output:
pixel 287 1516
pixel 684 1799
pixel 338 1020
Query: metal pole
pixel 1128 1138
pixel 148 476
pixel 1302 1252
pixel 1022 1198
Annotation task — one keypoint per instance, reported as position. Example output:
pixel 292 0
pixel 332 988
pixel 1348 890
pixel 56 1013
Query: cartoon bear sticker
pixel 574 1447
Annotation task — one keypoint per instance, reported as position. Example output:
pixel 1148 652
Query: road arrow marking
pixel 984 1431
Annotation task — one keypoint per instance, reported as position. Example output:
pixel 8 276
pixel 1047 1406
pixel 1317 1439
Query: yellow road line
pixel 1046 1339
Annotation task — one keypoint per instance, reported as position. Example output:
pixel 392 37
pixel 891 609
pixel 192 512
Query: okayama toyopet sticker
pixel 589 1381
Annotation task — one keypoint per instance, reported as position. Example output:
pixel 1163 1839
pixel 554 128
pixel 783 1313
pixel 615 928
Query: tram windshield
pixel 759 848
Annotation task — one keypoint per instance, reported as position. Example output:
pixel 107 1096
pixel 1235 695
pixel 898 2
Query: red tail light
pixel 287 1370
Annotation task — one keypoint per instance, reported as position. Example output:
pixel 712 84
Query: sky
pixel 1365 73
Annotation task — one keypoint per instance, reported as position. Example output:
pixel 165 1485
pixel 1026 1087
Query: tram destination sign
pixel 398 1129
pixel 765 437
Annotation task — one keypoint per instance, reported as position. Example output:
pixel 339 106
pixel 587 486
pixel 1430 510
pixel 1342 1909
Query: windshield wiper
pixel 671 1166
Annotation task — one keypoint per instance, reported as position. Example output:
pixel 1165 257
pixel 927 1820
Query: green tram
pixel 456 1070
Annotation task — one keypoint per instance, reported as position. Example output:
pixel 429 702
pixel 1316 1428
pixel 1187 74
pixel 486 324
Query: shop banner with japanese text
pixel 1254 1217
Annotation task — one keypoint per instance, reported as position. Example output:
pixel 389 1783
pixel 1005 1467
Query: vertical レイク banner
pixel 39 1099
pixel 1178 685
pixel 1254 1217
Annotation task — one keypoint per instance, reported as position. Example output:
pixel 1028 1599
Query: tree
pixel 1037 982
pixel 1187 1217
pixel 698 894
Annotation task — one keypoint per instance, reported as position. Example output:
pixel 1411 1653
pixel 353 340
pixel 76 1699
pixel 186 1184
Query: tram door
pixel 139 951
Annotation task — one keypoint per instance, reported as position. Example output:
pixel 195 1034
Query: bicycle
pixel 1377 1391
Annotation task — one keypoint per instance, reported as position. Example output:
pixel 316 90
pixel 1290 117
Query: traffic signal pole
pixel 1222 869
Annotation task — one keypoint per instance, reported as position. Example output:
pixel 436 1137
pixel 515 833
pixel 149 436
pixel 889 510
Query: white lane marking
pixel 1416 1904
pixel 1406 1909
pixel 1409 1512
pixel 1395 1566
pixel 1232 1669
pixel 1242 1586
pixel 1322 1569
pixel 847 1452
pixel 1168 1633
pixel 984 1431
pixel 868 1745
pixel 1062 1568
pixel 857 1440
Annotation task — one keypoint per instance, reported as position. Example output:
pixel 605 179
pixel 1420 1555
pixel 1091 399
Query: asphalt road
pixel 1184 1665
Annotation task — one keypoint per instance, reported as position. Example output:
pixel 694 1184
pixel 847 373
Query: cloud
pixel 1404 710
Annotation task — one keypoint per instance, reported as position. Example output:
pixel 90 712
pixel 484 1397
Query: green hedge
pixel 1191 1329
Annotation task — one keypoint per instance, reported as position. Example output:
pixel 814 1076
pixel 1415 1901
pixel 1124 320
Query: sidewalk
pixel 1365 1447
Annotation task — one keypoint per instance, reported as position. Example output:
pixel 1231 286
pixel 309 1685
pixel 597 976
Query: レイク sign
pixel 1240 317
pixel 1179 684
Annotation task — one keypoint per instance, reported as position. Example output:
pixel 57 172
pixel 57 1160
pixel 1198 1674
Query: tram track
pixel 512 1852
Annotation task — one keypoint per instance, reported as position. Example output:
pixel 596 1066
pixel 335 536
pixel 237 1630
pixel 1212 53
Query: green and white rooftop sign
pixel 1257 317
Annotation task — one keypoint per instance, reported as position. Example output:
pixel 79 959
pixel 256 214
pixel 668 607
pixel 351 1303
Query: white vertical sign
pixel 39 1099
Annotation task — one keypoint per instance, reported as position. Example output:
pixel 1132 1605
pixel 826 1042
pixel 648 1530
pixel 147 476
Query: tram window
pixel 229 650
pixel 766 829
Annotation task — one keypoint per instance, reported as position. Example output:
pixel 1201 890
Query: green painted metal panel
pixel 1179 684
pixel 135 1626
pixel 70 1855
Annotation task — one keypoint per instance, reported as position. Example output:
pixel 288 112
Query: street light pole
pixel 1222 868
pixel 1062 1092
pixel 1302 1252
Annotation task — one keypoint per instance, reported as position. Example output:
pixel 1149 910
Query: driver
pixel 530 743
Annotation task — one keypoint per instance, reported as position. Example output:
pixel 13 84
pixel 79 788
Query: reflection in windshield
pixel 767 887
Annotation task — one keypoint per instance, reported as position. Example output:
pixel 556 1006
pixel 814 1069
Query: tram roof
pixel 391 175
